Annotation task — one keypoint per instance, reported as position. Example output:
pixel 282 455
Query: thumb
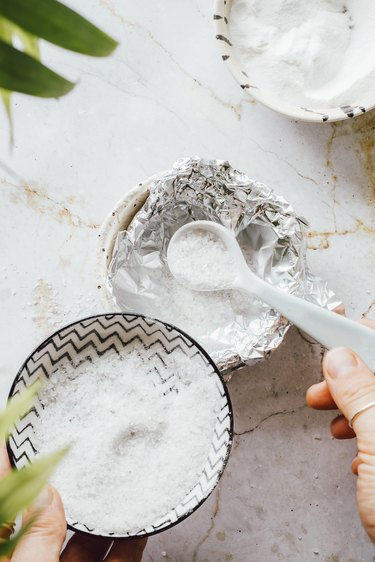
pixel 44 540
pixel 352 386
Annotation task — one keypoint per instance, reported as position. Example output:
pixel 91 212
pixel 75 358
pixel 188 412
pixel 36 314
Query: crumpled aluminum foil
pixel 234 329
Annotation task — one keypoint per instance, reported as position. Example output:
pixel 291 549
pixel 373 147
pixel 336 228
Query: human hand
pixel 349 385
pixel 44 540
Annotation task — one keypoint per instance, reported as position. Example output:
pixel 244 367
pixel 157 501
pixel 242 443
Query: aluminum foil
pixel 234 329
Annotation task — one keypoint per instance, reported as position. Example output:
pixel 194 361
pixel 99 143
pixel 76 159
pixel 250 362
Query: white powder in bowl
pixel 200 260
pixel 138 446
pixel 312 54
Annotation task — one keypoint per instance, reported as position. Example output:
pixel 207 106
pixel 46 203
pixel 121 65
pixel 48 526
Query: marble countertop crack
pixel 274 414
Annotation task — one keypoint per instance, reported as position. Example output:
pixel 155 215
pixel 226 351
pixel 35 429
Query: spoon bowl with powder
pixel 206 256
pixel 125 392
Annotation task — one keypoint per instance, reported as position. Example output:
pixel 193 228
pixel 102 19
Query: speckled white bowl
pixel 221 17
pixel 117 220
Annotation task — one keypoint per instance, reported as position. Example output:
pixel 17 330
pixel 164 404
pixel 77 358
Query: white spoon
pixel 328 328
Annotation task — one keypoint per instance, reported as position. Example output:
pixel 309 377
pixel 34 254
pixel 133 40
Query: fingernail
pixel 339 361
pixel 43 500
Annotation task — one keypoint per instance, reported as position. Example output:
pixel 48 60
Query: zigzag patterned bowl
pixel 93 337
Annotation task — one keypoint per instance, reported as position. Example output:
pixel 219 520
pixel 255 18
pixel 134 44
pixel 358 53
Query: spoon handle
pixel 326 327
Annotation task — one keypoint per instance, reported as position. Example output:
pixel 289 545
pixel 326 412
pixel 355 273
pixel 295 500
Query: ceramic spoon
pixel 328 328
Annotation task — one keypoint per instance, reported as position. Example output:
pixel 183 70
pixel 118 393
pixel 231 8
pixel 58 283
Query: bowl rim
pixel 117 219
pixel 221 19
pixel 133 199
pixel 215 369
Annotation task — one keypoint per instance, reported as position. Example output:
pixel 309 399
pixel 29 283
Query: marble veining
pixel 287 493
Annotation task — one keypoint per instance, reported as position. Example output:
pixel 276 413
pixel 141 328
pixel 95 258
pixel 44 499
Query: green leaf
pixel 5 95
pixel 58 24
pixel 6 35
pixel 21 73
pixel 6 30
pixel 20 488
pixel 17 407
pixel 6 98
pixel 29 42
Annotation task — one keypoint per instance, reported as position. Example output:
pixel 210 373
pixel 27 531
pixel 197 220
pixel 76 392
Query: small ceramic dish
pixel 270 229
pixel 90 339
pixel 117 220
pixel 221 17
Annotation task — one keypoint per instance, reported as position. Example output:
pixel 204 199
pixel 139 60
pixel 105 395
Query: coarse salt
pixel 201 260
pixel 138 444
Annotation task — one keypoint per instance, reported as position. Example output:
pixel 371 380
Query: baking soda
pixel 138 445
pixel 201 260
pixel 312 54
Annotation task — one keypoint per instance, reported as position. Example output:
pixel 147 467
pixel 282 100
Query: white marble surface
pixel 288 493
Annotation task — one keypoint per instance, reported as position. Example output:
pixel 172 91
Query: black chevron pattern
pixel 93 337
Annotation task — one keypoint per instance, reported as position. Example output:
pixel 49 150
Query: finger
pixel 82 548
pixel 355 465
pixel 44 540
pixel 340 428
pixel 7 528
pixel 5 467
pixel 319 397
pixel 340 309
pixel 352 386
pixel 127 551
